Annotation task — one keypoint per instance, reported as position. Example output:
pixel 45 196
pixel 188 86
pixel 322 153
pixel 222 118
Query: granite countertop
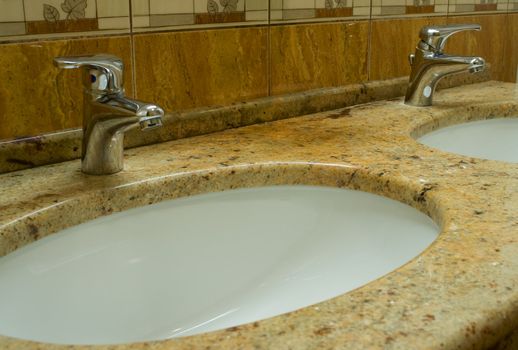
pixel 461 293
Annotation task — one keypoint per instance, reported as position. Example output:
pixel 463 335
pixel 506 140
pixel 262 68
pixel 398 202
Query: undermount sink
pixel 495 139
pixel 203 263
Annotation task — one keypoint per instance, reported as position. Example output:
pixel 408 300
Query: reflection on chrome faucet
pixel 429 63
pixel 107 112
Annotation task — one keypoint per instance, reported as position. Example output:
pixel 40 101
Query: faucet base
pixel 103 153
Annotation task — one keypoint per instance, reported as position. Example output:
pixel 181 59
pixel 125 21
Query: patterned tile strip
pixel 30 19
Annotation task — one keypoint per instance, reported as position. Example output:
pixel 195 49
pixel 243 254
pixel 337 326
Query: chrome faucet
pixel 429 63
pixel 107 112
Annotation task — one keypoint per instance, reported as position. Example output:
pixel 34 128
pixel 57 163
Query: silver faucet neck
pixel 429 64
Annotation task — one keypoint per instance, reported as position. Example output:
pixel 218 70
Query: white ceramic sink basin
pixel 495 139
pixel 203 263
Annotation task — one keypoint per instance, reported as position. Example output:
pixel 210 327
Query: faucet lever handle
pixel 435 36
pixel 104 72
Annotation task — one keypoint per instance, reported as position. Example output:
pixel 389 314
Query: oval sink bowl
pixel 495 139
pixel 203 263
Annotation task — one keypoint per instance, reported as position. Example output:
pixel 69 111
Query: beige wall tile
pixel 393 10
pixel 361 11
pixel 13 28
pixel 112 8
pixel 462 8
pixel 257 16
pixel 298 4
pixel 200 6
pixel 140 7
pixel 291 14
pixel 502 6
pixel 162 7
pixel 363 3
pixel 11 11
pixel 255 5
pixel 171 20
pixel 276 4
pixel 393 3
pixel 441 9
pixel 275 15
pixel 320 4
pixel 463 2
pixel 114 23
pixel 141 21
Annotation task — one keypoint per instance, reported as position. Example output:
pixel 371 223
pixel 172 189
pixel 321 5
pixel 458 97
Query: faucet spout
pixel 148 115
pixel 457 64
pixel 429 69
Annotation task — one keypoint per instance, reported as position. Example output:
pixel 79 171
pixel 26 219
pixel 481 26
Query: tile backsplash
pixel 185 54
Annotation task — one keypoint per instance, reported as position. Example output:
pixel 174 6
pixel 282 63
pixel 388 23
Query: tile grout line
pixel 132 48
pixel 269 49
pixel 24 17
pixel 97 14
pixel 369 44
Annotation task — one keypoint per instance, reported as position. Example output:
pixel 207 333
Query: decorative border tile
pixel 318 10
pixel 43 19
pixel 409 8
pixel 29 19
pixel 476 6
pixel 149 15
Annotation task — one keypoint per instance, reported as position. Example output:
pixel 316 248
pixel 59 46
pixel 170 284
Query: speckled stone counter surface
pixel 461 293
